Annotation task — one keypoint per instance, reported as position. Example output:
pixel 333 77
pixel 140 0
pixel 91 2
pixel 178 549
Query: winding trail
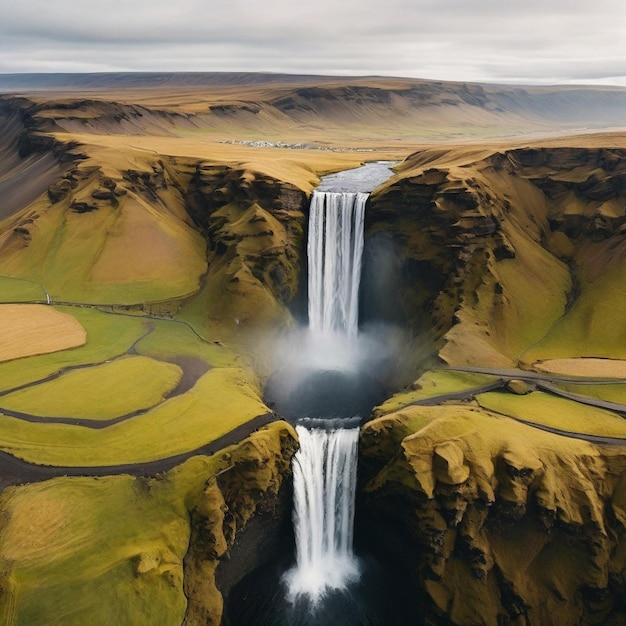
pixel 527 375
pixel 70 368
pixel 14 471
pixel 542 382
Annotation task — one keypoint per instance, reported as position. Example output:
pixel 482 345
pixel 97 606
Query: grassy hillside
pixel 152 233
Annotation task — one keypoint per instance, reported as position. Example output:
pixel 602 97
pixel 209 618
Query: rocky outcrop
pixel 496 248
pixel 25 155
pixel 512 525
pixel 254 228
pixel 243 509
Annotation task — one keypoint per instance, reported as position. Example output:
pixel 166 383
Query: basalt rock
pixel 512 525
pixel 238 523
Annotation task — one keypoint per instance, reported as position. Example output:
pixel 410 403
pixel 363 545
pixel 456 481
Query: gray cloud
pixel 484 40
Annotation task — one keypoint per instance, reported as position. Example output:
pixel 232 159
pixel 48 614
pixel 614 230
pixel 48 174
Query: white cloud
pixel 488 40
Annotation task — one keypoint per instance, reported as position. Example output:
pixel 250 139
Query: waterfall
pixel 335 249
pixel 324 476
pixel 324 468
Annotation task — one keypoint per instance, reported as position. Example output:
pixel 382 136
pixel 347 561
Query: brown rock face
pixel 494 246
pixel 242 509
pixel 254 228
pixel 512 525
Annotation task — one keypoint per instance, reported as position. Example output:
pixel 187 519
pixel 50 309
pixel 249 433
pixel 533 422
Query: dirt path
pixel 511 373
pixel 542 382
pixel 14 471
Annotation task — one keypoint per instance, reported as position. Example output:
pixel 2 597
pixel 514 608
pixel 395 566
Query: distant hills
pixel 580 105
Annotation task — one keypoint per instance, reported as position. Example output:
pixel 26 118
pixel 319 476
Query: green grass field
pixel 547 410
pixel 221 400
pixel 107 336
pixel 100 392
pixel 20 290
pixel 431 384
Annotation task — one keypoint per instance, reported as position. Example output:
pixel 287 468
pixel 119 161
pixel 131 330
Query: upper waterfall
pixel 335 248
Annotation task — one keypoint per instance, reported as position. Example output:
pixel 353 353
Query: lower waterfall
pixel 324 482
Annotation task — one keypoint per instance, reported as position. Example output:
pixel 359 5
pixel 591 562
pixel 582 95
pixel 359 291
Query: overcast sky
pixel 536 41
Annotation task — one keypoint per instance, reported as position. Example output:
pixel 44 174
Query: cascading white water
pixel 324 469
pixel 324 476
pixel 335 249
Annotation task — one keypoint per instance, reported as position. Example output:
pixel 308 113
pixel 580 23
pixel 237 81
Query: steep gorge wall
pixel 254 228
pixel 492 522
pixel 238 523
pixel 138 229
pixel 496 248
pixel 505 258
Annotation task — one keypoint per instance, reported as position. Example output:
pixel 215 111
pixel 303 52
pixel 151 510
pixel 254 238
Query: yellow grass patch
pixel 598 368
pixel 107 550
pixel 594 327
pixel 542 408
pixel 431 384
pixel 74 546
pixel 29 329
pixel 220 401
pixel 108 336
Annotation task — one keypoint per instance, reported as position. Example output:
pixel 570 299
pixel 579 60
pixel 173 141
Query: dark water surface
pixel 261 599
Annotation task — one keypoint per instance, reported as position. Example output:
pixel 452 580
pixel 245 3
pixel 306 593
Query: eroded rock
pixel 242 508
pixel 515 525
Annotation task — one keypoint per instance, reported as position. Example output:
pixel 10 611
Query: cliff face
pixel 508 258
pixel 253 224
pixel 510 525
pixel 141 228
pixel 497 247
pixel 242 509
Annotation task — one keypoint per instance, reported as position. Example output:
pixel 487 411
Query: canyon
pixel 156 226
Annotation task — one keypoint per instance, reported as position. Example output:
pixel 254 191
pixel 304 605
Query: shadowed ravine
pixel 327 583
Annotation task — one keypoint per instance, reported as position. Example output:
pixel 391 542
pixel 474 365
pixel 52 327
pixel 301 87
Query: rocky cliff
pixel 496 522
pixel 243 509
pixel 505 252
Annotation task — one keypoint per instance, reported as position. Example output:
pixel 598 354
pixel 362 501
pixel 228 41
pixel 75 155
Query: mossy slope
pixel 111 550
pixel 512 255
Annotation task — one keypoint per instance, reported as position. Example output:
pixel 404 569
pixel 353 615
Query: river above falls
pixel 362 179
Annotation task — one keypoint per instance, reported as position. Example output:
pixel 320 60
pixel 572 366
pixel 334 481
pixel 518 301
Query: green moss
pixel 555 412
pixel 432 384
pixel 175 338
pixel 99 551
pixel 100 392
pixel 110 550
pixel 611 393
pixel 594 327
pixel 17 290
pixel 133 253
